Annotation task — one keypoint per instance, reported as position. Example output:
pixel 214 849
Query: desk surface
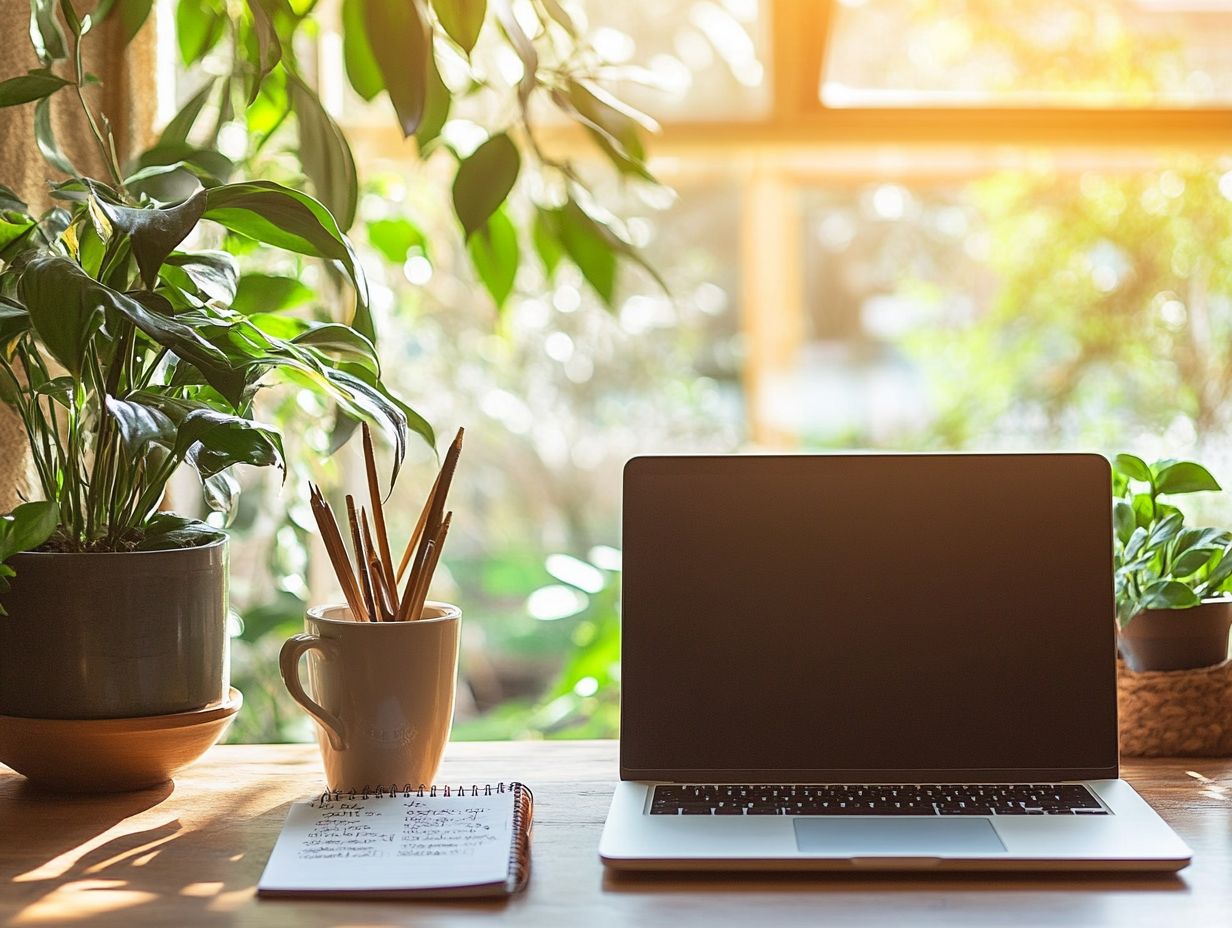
pixel 191 855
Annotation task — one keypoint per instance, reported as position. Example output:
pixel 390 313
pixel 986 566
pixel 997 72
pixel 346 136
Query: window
pixel 919 225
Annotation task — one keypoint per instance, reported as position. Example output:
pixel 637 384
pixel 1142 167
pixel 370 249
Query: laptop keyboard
pixel 876 799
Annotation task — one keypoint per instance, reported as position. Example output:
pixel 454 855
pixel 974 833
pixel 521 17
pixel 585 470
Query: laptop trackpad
pixel 859 837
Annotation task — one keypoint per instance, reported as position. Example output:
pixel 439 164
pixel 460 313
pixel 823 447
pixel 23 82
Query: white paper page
pixel 393 843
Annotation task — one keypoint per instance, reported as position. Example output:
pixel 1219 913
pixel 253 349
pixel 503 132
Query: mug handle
pixel 293 649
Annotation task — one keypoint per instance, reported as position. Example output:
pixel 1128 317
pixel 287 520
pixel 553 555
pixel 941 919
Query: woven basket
pixel 1170 713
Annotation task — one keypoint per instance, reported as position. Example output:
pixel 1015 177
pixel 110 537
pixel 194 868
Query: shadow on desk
pixel 52 824
pixel 84 859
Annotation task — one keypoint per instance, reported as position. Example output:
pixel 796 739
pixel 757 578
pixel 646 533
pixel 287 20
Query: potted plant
pixel 1174 608
pixel 256 61
pixel 123 359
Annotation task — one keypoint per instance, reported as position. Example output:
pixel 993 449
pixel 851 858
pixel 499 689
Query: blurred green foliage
pixel 1111 318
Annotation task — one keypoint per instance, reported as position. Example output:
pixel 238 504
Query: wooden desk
pixel 191 855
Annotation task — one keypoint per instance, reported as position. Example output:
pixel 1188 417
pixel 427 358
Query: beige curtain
pixel 126 96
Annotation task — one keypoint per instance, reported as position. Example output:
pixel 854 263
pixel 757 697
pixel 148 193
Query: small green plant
pixel 1160 563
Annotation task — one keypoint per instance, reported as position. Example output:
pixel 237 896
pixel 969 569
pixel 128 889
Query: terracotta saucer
pixel 112 755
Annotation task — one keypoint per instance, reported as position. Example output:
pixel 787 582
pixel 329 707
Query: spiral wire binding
pixel 406 791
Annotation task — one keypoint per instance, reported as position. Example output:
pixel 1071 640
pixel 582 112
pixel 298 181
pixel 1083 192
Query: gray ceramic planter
pixel 93 636
pixel 1177 639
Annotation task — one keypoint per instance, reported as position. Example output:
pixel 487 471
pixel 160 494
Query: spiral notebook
pixel 461 842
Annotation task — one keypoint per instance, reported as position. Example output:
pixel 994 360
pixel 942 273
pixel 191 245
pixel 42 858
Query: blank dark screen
pixel 871 612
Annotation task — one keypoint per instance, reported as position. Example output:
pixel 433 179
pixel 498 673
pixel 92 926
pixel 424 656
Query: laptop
pixel 884 662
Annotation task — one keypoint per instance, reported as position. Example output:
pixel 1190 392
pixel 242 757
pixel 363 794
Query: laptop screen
pixel 868 617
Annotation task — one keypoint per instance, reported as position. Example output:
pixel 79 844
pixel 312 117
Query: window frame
pixel 800 141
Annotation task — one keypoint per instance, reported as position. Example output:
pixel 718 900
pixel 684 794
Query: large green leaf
pixel 1168 594
pixel 139 424
pixel 342 342
pixel 361 66
pixel 1133 467
pixel 222 494
pixel 614 126
pixel 1192 561
pixel 1144 508
pixel 14 319
pixel 27 527
pixel 155 232
pixel 71 18
pixel 11 202
pixel 211 167
pixel 45 32
pixel 212 441
pixel 1165 530
pixel 292 220
pixel 1123 519
pixel 167 530
pixel 495 255
pixel 45 138
pixel 198 27
pixel 268 50
pixel 133 14
pixel 1184 477
pixel 329 338
pixel 484 180
pixel 14 228
pixel 1135 544
pixel 268 112
pixel 277 216
pixel 357 393
pixel 325 154
pixel 461 20
pixel 394 238
pixel 33 85
pixel 588 248
pixel 437 102
pixel 65 307
pixel 268 293
pixel 213 272
pixel 176 132
pixel 168 183
pixel 547 245
pixel 1219 575
pixel 401 42
pixel 410 419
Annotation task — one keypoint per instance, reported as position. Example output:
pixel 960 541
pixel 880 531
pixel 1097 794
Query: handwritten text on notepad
pixel 393 844
pixel 457 828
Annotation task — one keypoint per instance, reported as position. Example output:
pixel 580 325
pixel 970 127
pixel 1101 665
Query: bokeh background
pixel 925 224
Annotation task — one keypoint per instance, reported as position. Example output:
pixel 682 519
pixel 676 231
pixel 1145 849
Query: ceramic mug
pixel 382 693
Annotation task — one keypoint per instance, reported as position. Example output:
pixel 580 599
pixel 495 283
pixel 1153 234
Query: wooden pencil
pixel 331 537
pixel 376 570
pixel 407 604
pixel 433 523
pixel 378 515
pixel 419 526
pixel 384 611
pixel 361 561
pixel 432 557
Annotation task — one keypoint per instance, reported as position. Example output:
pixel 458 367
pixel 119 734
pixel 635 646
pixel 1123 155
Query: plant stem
pixel 154 489
pixel 108 154
pixel 23 410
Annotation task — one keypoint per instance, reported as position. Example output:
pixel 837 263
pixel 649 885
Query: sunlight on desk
pixel 191 856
